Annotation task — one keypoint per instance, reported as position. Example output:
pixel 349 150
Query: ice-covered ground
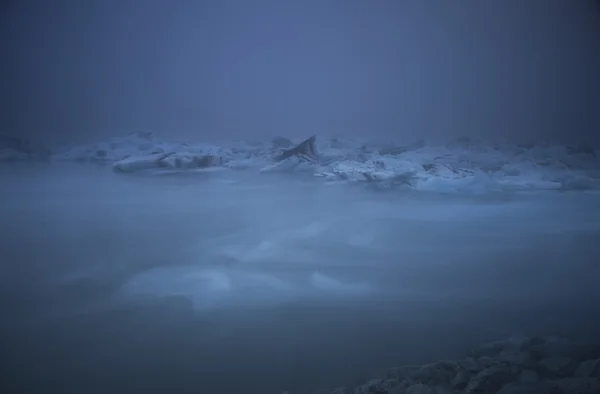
pixel 460 166
pixel 239 281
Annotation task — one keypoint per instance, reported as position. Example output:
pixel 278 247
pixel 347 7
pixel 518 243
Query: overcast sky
pixel 524 69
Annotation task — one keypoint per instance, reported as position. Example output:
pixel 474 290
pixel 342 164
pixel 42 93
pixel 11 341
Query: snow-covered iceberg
pixel 141 151
pixel 473 167
pixel 137 144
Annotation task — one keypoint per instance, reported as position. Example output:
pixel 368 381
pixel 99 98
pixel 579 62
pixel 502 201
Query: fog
pixel 237 282
pixel 157 263
pixel 77 71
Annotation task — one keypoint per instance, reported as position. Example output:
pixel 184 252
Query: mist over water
pixel 236 282
pixel 268 279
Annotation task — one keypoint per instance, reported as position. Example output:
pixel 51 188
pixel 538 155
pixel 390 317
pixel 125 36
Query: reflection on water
pixel 284 283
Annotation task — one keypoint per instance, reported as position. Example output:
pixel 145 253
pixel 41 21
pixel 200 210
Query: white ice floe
pixel 211 288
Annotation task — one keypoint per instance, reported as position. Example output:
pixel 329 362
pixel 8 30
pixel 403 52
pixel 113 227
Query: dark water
pixel 236 283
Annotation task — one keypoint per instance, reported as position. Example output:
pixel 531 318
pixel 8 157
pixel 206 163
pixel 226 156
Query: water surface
pixel 239 282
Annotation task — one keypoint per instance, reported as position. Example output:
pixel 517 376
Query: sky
pixel 224 69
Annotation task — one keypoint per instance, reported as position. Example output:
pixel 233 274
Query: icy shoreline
pixel 462 166
pixel 538 365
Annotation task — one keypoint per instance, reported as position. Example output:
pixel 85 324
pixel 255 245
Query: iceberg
pixel 462 165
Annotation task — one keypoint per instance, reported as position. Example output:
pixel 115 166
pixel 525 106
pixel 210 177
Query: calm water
pixel 234 282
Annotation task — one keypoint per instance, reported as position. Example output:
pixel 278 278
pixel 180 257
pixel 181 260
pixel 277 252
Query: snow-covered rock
pixel 588 368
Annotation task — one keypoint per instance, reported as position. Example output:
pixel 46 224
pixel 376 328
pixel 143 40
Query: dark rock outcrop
pixel 306 150
pixel 538 365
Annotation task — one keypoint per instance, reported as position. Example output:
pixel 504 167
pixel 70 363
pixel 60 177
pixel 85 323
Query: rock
pixel 523 360
pixel 557 366
pixel 528 376
pixel 514 344
pixel 439 373
pixel 306 150
pixel 528 388
pixel 380 386
pixel 510 351
pixel 402 373
pixel 469 364
pixel 420 388
pixel 577 386
pixel 461 380
pixel 588 369
pixel 377 386
pixel 444 390
pixel 506 367
pixel 486 362
pixel 491 379
pixel 586 352
pixel 549 347
pixel 342 390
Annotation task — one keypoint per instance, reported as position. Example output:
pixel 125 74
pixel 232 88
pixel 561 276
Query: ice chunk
pixel 136 144
pixel 133 164
pixel 173 160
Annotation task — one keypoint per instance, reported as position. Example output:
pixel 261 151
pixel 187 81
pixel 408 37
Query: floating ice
pixel 222 288
pixel 461 166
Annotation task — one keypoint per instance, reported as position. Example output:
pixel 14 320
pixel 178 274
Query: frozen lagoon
pixel 246 282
